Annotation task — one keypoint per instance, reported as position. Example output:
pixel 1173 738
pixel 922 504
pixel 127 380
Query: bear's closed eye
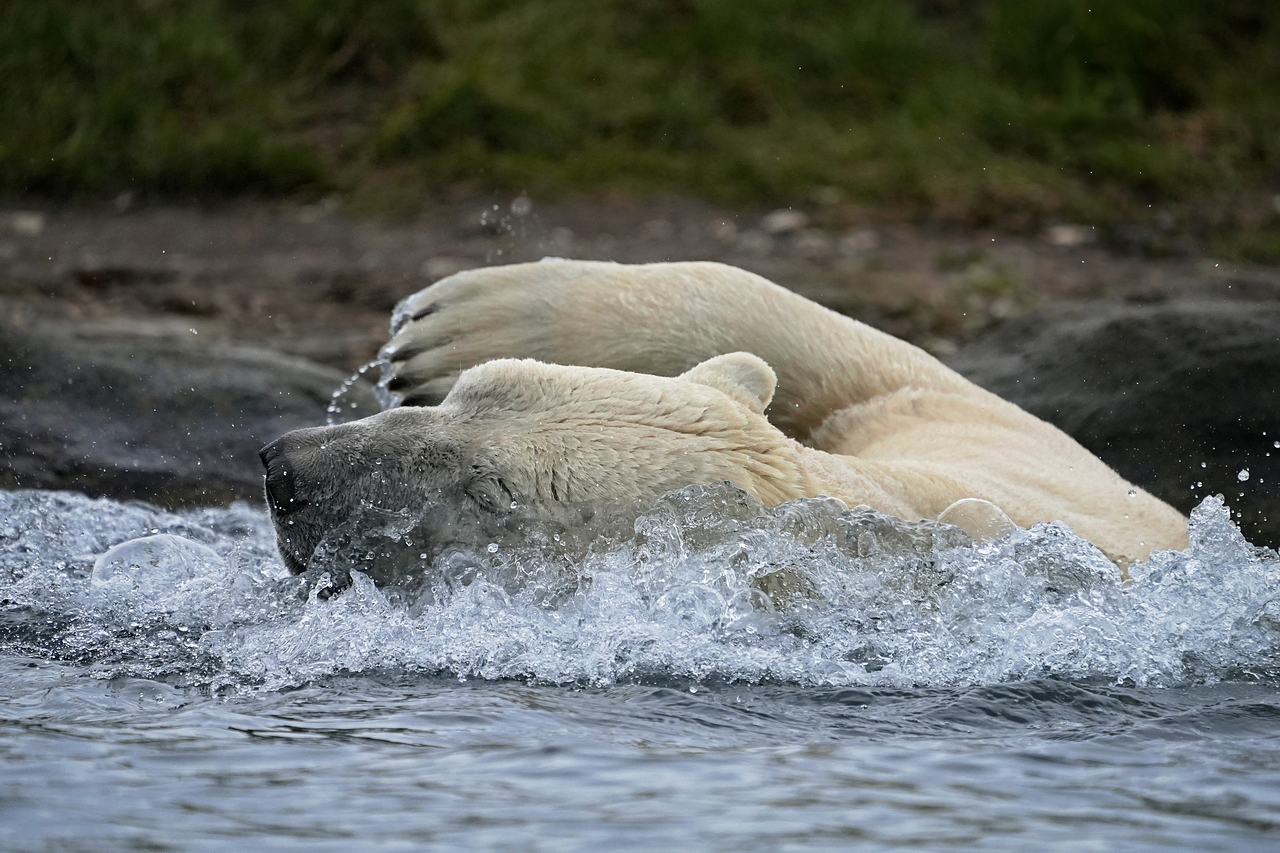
pixel 490 492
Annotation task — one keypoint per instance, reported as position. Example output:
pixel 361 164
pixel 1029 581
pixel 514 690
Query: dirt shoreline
pixel 310 281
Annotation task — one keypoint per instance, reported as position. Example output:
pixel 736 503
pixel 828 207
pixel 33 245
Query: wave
pixel 702 585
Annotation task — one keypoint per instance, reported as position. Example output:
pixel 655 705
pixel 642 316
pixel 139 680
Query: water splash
pixel 385 398
pixel 700 584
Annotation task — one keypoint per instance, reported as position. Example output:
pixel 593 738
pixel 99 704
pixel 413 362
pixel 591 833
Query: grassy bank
pixel 971 111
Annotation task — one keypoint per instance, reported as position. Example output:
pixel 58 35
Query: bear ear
pixel 743 376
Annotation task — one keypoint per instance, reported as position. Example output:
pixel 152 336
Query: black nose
pixel 271 451
pixel 280 480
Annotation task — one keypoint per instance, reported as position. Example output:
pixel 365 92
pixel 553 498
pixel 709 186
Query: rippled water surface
pixel 715 677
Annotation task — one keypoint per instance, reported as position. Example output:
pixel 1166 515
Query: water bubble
pixel 156 573
pixel 492 548
pixel 1243 475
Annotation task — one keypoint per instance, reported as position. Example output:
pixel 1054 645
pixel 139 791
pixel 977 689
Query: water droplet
pixel 1243 475
pixel 335 399
pixel 493 548
pixel 1203 465
pixel 1133 493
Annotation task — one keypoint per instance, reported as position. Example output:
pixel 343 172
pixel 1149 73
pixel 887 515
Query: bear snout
pixel 281 482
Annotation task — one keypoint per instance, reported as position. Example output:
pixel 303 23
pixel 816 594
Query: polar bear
pixel 529 391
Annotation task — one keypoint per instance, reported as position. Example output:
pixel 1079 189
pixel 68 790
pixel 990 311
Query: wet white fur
pixel 856 414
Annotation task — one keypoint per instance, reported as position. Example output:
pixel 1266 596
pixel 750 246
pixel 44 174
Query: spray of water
pixel 700 584
pixel 386 400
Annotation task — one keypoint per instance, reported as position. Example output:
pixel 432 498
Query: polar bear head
pixel 516 440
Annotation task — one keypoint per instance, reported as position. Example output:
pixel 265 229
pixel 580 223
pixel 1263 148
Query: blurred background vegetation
pixel 971 112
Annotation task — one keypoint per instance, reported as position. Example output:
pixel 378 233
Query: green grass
pixel 981 112
pixel 1249 244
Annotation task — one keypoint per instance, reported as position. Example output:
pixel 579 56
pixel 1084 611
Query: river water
pixel 163 685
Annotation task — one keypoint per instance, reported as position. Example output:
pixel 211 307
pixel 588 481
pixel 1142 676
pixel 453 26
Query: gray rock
pixel 1179 397
pixel 147 411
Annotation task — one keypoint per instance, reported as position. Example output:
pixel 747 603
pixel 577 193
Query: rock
pixel 755 243
pixel 26 223
pixel 1179 397
pixel 858 242
pixel 723 231
pixel 812 243
pixel 783 221
pixel 658 230
pixel 148 411
pixel 1070 236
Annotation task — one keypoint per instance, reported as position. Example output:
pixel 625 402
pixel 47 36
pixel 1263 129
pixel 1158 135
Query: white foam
pixel 858 599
